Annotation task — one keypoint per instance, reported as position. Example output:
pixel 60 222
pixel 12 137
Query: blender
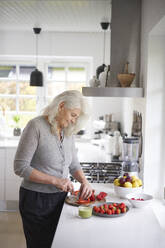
pixel 130 156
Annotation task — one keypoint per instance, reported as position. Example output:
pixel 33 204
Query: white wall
pixel 155 115
pixel 56 44
pixel 65 44
pixel 152 12
pixel 152 76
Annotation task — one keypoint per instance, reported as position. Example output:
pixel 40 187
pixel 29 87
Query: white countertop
pixel 139 228
pixel 87 152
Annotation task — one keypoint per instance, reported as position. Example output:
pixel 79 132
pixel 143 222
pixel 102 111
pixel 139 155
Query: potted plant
pixel 17 129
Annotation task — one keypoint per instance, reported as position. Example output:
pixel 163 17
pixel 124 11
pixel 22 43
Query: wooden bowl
pixel 126 79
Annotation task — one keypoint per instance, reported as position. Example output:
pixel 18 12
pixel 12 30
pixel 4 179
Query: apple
pixel 122 180
pixel 128 185
pixel 126 174
pixel 129 179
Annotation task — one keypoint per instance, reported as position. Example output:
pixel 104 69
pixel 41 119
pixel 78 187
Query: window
pixel 17 97
pixel 65 77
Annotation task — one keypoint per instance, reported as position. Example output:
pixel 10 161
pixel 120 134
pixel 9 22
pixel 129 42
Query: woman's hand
pixel 64 184
pixel 85 190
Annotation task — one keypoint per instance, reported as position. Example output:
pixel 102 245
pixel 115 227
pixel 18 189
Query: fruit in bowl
pixel 139 200
pixel 128 181
pixel 127 184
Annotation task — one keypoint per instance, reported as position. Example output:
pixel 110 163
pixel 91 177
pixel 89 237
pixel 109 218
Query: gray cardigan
pixel 40 149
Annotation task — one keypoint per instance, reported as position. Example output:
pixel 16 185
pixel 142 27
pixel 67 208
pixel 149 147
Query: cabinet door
pixel 12 181
pixel 9 172
pixel 2 172
pixel 12 189
pixel 2 163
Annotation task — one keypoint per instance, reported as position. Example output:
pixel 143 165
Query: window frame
pixel 66 65
pixel 44 63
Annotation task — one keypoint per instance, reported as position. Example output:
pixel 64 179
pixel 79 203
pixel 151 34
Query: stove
pixel 101 172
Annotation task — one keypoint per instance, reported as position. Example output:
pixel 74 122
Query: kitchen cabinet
pixel 2 174
pixel 12 181
pixel 9 182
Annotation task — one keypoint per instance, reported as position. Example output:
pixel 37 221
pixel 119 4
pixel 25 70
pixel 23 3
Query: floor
pixel 11 232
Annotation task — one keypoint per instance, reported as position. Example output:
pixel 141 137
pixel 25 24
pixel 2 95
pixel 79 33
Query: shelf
pixel 113 92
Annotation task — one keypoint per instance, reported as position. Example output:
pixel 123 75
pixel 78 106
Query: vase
pixel 17 131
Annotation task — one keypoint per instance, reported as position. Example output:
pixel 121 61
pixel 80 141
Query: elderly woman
pixel 46 154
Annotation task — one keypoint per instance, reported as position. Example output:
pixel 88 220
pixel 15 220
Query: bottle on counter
pixel 116 145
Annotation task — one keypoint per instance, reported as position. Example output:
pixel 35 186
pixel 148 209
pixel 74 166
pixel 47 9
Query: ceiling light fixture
pixel 36 77
pixel 104 26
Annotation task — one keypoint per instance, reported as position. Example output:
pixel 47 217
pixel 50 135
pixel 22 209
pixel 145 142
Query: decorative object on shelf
pixel 104 77
pixel 36 77
pixel 94 82
pixel 104 26
pixel 126 78
pixel 17 129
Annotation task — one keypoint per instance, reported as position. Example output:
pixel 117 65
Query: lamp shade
pixel 36 78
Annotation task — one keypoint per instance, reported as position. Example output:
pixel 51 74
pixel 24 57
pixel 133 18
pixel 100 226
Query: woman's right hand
pixel 64 184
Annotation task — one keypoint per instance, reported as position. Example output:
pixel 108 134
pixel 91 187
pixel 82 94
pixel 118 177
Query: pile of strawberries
pixel 92 198
pixel 112 208
pixel 139 199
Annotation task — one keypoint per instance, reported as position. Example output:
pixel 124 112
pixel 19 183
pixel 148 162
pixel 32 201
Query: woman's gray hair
pixel 72 99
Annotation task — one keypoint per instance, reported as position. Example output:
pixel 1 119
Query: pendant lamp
pixel 36 77
pixel 104 26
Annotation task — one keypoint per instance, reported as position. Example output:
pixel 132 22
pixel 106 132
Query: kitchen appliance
pixel 137 129
pixel 130 155
pixel 110 124
pixel 101 172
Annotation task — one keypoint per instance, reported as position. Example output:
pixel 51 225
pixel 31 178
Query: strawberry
pixel 95 208
pixel 101 196
pixel 102 211
pixel 122 205
pixel 124 210
pixel 109 212
pixel 110 206
pixel 114 208
pixel 98 197
pixel 105 206
pixel 113 211
pixel 118 211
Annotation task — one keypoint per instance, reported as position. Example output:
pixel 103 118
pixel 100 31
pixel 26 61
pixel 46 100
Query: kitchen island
pixel 139 228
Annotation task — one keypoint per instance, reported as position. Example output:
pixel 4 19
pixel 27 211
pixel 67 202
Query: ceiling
pixel 54 15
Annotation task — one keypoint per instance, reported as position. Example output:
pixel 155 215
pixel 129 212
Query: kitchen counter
pixel 139 228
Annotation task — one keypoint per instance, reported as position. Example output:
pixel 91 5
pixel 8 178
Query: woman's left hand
pixel 85 190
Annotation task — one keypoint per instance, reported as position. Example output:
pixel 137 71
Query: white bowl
pixel 122 192
pixel 138 203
